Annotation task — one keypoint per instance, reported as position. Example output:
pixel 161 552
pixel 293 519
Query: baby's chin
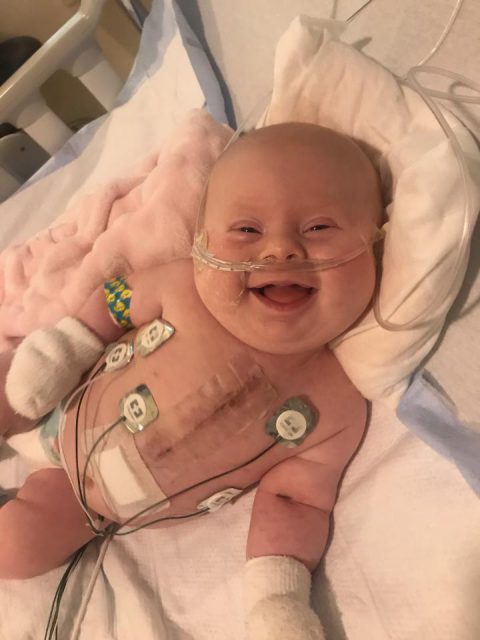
pixel 291 332
pixel 288 348
pixel 280 340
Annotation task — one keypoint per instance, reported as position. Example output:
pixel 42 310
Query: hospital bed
pixel 73 49
pixel 404 559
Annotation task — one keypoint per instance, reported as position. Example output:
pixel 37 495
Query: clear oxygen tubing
pixel 201 254
pixel 428 95
pixel 468 216
pixel 443 35
pixel 410 79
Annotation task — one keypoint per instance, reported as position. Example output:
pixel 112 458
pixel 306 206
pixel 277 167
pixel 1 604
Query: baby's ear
pixel 382 168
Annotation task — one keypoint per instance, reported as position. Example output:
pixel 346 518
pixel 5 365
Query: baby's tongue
pixel 285 295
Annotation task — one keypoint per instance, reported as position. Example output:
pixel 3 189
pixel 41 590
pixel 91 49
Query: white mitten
pixel 277 598
pixel 48 364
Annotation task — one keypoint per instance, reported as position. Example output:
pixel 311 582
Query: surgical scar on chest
pixel 225 407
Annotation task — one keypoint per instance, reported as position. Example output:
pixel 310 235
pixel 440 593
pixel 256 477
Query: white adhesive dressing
pixel 121 482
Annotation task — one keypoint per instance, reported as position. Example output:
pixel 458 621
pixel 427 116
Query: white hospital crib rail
pixel 73 49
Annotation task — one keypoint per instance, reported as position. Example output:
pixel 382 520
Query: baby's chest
pixel 171 384
pixel 204 418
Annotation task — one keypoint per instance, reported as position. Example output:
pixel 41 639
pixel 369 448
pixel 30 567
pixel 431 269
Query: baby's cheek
pixel 219 290
pixel 353 285
pixel 369 277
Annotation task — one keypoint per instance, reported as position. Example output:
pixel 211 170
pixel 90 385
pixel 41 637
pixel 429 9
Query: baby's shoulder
pixel 155 289
pixel 160 275
pixel 341 403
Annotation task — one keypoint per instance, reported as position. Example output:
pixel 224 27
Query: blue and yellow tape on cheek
pixel 119 295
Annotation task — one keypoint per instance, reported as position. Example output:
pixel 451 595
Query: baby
pixel 223 380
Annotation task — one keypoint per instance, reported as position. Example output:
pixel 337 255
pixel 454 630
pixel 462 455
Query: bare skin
pixel 282 187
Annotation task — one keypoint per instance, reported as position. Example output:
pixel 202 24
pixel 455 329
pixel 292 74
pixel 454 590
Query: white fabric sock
pixel 48 364
pixel 277 599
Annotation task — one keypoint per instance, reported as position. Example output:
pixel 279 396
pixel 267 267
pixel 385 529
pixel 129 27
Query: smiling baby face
pixel 290 193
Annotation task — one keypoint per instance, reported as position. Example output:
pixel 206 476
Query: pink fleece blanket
pixel 129 224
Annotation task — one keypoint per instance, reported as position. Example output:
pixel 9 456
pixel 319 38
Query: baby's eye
pixel 246 229
pixel 318 227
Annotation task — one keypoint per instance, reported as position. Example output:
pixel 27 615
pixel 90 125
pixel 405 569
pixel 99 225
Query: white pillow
pixel 322 80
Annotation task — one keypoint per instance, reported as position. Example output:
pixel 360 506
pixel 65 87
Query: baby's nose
pixel 282 248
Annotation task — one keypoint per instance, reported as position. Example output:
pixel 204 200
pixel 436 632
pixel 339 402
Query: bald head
pixel 309 159
pixel 278 138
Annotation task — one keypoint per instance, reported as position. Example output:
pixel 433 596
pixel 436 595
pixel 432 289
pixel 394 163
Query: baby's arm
pixel 288 535
pixel 50 362
pixel 133 301
pixel 294 500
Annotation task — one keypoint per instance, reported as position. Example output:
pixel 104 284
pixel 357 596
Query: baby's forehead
pixel 297 154
pixel 290 146
pixel 296 164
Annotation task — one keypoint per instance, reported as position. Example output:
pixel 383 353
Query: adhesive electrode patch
pixel 119 355
pixel 292 422
pixel 138 409
pixel 153 336
pixel 218 500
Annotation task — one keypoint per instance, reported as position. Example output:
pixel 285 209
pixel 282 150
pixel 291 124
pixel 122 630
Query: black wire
pixel 143 526
pixel 77 466
pixel 82 482
pixel 182 491
pixel 55 608
pixel 52 622
pixel 114 529
pixel 87 462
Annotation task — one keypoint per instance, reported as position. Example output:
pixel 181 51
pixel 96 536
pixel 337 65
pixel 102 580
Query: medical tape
pixel 222 409
pixel 133 472
pixel 122 477
pixel 239 390
pixel 118 296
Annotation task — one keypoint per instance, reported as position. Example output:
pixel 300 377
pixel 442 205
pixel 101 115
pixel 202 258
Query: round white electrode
pixel 291 425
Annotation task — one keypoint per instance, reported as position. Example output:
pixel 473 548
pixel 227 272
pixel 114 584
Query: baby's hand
pixel 49 364
pixel 277 596
pixel 10 421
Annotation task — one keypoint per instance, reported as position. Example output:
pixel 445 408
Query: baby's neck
pixel 291 361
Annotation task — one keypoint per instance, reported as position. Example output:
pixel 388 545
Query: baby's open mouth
pixel 283 296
